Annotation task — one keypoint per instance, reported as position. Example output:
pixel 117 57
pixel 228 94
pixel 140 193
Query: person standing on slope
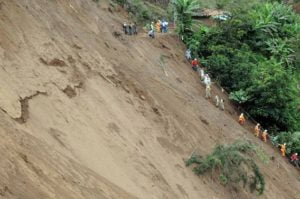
pixel 125 28
pixel 152 26
pixel 134 29
pixel 207 91
pixel 217 100
pixel 283 149
pixel 242 119
pixel 151 34
pixel 158 26
pixel 222 107
pixel 201 74
pixel 264 135
pixel 188 54
pixel 257 130
pixel 195 64
pixel 207 80
pixel 295 159
pixel 130 29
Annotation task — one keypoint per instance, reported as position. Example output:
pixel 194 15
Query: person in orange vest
pixel 283 149
pixel 158 26
pixel 257 130
pixel 242 119
pixel 264 135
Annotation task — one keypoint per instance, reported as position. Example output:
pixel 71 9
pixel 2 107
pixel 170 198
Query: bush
pixel 292 141
pixel 239 96
pixel 233 164
pixel 184 10
pixel 255 52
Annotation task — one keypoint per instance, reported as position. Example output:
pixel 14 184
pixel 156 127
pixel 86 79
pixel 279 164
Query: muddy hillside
pixel 88 112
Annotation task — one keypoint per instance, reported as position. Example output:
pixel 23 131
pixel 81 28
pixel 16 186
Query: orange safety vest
pixel 241 119
pixel 264 136
pixel 282 149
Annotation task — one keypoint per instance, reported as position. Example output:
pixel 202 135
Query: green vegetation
pixel 183 12
pixel 292 141
pixel 233 164
pixel 252 55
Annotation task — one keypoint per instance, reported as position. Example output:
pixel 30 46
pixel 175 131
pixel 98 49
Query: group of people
pixel 159 27
pixel 129 28
pixel 219 102
pixel 258 131
pixel 263 134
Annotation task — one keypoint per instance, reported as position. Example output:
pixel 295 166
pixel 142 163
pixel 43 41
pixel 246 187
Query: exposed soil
pixel 115 122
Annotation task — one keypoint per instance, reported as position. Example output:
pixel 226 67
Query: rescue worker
pixel 257 130
pixel 207 91
pixel 201 74
pixel 295 160
pixel 242 119
pixel 188 54
pixel 151 34
pixel 207 80
pixel 134 29
pixel 152 26
pixel 294 157
pixel 166 26
pixel 195 64
pixel 217 100
pixel 222 105
pixel 125 28
pixel 163 27
pixel 130 29
pixel 264 135
pixel 283 149
pixel 158 26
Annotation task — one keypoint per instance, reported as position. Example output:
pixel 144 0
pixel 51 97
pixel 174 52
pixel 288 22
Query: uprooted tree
pixel 233 164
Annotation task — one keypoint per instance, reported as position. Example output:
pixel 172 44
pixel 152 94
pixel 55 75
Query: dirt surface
pixel 87 112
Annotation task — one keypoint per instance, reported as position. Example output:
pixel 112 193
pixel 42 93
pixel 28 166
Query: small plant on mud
pixel 233 164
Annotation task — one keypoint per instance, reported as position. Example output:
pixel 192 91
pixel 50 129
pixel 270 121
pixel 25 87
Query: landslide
pixel 87 112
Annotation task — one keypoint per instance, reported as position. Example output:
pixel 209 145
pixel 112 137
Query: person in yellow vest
pixel 283 149
pixel 158 26
pixel 257 130
pixel 242 119
pixel 264 135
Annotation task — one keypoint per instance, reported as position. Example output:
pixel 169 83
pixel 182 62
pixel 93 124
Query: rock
pixel 142 97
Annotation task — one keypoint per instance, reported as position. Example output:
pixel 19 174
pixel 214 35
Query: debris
pixel 142 97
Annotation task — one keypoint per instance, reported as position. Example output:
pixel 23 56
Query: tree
pixel 233 164
pixel 273 92
pixel 292 141
pixel 184 10
pixel 255 52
